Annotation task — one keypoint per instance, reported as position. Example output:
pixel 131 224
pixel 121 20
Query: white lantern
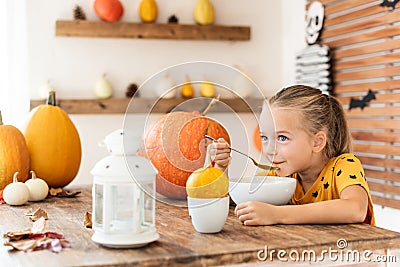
pixel 123 195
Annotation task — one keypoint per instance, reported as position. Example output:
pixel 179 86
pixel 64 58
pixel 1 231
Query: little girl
pixel 308 139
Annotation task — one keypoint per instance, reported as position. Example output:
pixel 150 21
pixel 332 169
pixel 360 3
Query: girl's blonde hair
pixel 319 112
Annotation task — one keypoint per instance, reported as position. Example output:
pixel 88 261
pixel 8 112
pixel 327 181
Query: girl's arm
pixel 350 208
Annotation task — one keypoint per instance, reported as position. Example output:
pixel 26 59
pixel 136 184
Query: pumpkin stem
pixel 33 175
pixel 212 103
pixel 1 119
pixel 51 100
pixel 15 179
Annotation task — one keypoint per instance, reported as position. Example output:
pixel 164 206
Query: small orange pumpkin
pixel 108 10
pixel 54 144
pixel 148 10
pixel 176 146
pixel 257 139
pixel 14 154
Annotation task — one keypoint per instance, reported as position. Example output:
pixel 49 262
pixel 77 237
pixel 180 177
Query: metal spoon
pixel 262 166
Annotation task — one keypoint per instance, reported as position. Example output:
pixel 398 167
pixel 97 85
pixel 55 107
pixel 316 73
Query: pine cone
pixel 131 90
pixel 173 19
pixel 79 13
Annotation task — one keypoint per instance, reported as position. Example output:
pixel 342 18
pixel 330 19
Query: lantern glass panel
pixel 98 203
pixel 149 204
pixel 125 202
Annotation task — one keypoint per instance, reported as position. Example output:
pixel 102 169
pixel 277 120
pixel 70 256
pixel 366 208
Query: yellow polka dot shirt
pixel 339 173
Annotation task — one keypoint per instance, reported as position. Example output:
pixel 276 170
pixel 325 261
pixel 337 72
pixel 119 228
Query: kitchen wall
pixel 73 65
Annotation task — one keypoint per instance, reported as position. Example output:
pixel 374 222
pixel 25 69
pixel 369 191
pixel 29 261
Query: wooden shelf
pixel 100 29
pixel 145 105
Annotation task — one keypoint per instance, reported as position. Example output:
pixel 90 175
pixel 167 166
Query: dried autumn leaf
pixel 24 245
pixel 35 215
pixel 54 235
pixel 55 191
pixel 60 192
pixel 53 245
pixel 37 236
pixel 87 222
pixel 38 226
pixel 14 236
pixel 35 239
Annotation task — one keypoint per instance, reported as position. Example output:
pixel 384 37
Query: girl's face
pixel 286 143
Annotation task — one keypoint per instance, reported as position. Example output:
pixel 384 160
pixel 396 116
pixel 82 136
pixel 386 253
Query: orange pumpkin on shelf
pixel 14 154
pixel 54 144
pixel 176 146
pixel 257 138
pixel 108 10
pixel 148 10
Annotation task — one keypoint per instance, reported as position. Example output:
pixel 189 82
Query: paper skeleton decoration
pixel 314 21
pixel 313 67
pixel 389 3
pixel 363 102
pixel 313 62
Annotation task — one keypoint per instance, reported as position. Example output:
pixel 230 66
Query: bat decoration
pixel 389 3
pixel 362 103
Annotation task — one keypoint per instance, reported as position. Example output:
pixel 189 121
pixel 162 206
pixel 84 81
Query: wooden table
pixel 179 243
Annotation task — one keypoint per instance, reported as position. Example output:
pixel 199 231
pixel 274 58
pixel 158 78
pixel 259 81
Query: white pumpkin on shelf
pixel 165 87
pixel 103 88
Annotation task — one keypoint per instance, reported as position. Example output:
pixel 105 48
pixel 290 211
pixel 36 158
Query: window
pixel 14 93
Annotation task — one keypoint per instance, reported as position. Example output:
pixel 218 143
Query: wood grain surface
pixel 179 244
pixel 150 105
pixel 84 28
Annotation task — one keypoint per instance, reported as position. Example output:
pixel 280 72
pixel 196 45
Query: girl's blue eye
pixel 282 138
pixel 264 138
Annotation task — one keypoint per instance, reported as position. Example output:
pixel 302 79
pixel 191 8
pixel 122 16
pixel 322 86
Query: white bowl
pixel 269 189
pixel 208 214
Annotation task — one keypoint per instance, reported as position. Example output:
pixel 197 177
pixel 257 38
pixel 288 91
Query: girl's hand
pixel 220 154
pixel 256 213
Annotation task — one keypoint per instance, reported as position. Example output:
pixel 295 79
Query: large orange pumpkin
pixel 176 146
pixel 108 10
pixel 14 155
pixel 54 144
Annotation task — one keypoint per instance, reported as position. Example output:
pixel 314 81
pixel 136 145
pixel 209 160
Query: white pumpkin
pixel 103 88
pixel 38 188
pixel 165 87
pixel 16 193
